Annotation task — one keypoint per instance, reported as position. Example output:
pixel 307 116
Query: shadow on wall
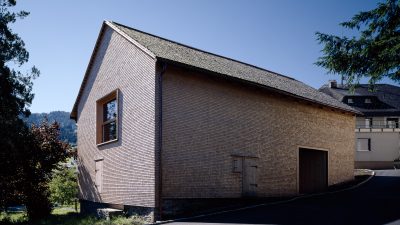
pixel 87 188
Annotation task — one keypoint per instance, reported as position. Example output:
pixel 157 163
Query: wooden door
pixel 249 177
pixel 99 175
pixel 313 170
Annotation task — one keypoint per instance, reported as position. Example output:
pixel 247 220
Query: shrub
pixel 64 186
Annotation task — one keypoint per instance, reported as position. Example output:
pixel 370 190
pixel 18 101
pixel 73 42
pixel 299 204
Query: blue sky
pixel 278 35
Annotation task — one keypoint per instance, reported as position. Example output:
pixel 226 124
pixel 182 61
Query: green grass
pixel 13 217
pixel 67 216
pixel 73 218
pixel 63 210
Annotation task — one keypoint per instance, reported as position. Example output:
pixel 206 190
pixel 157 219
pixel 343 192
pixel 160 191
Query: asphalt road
pixel 376 202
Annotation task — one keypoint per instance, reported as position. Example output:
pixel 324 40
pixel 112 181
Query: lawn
pixel 66 215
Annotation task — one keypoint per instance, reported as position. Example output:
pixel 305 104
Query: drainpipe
pixel 160 103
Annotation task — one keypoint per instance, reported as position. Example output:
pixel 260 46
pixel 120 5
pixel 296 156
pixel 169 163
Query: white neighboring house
pixel 377 131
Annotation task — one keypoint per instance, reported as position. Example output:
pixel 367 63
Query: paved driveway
pixel 376 202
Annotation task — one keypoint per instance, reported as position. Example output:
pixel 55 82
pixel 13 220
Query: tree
pixel 374 54
pixel 15 96
pixel 44 154
pixel 27 155
pixel 64 186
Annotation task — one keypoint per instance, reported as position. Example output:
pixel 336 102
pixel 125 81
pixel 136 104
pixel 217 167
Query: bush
pixel 64 186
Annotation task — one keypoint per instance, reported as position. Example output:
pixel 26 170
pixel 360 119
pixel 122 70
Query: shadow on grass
pixel 21 219
pixel 68 218
pixel 73 218
pixel 59 219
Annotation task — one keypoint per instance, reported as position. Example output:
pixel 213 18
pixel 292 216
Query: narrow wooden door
pixel 99 175
pixel 249 177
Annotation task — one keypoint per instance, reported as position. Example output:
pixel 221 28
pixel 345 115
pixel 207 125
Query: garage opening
pixel 313 170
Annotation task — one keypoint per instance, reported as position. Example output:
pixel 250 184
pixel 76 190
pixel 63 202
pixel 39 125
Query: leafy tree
pixel 42 157
pixel 15 96
pixel 67 125
pixel 374 54
pixel 64 186
pixel 27 155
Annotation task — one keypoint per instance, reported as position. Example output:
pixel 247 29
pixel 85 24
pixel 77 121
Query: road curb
pixel 267 204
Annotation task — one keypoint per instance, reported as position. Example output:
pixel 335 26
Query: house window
pixel 350 100
pixel 368 122
pixel 107 118
pixel 368 100
pixel 99 175
pixel 392 122
pixel 363 144
pixel 109 123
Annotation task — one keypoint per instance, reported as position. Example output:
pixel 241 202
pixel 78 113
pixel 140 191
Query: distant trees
pixel 374 54
pixel 67 125
pixel 27 155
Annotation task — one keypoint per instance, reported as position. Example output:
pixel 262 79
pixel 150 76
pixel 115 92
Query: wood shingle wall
pixel 207 122
pixel 129 163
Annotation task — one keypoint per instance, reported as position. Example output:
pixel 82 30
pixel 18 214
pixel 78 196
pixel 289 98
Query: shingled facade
pixel 160 121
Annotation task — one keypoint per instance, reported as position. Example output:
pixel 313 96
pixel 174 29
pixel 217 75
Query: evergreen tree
pixel 15 96
pixel 27 156
pixel 374 54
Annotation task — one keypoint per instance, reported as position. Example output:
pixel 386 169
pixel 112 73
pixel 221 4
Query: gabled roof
pixel 173 52
pixel 385 99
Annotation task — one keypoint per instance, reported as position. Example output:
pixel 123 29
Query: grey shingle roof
pixel 388 97
pixel 179 53
pixel 166 50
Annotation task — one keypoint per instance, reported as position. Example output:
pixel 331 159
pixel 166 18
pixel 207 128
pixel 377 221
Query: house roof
pixel 385 99
pixel 170 51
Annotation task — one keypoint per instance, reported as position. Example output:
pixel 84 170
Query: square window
pixel 110 110
pixel 350 100
pixel 107 118
pixel 368 100
pixel 368 122
pixel 363 144
pixel 392 122
pixel 109 131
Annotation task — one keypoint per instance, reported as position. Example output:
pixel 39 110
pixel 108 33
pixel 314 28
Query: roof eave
pixel 74 112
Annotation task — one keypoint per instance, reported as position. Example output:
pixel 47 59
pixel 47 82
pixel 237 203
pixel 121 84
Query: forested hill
pixel 67 125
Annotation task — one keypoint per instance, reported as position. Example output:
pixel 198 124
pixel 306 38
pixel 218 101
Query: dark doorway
pixel 313 170
pixel 249 177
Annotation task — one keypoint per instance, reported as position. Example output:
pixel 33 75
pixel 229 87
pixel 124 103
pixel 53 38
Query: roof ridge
pixel 207 52
pixel 214 63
